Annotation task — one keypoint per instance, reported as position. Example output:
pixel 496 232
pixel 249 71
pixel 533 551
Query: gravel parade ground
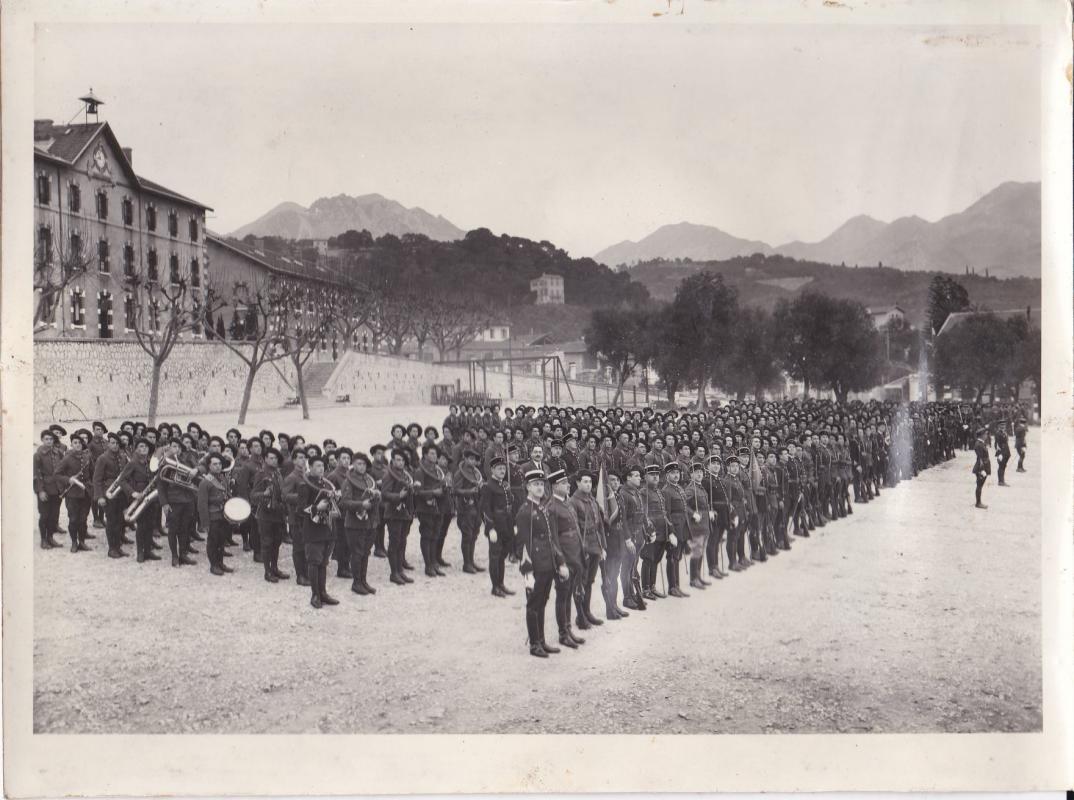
pixel 917 614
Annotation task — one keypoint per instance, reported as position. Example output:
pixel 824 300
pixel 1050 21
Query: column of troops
pixel 642 499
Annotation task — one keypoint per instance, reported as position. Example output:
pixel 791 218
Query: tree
pixel 975 354
pixel 267 325
pixel 703 312
pixel 824 341
pixel 946 296
pixel 159 313
pixel 56 266
pixel 671 357
pixel 622 338
pixel 1024 363
pixel 752 362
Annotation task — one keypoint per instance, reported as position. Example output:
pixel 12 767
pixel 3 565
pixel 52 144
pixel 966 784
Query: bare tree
pixel 455 321
pixel 392 320
pixel 264 329
pixel 324 310
pixel 56 266
pixel 158 313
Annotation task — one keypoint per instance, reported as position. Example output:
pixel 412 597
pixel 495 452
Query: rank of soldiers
pixel 646 500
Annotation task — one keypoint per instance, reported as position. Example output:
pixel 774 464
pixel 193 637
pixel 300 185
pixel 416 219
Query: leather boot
pixel 326 598
pixel 467 556
pixel 276 564
pixel 364 565
pixel 440 554
pixel 427 557
pixel 53 543
pixel 547 647
pixel 314 578
pixel 266 559
pixel 574 637
pixel 473 547
pixel 393 565
pixel 566 640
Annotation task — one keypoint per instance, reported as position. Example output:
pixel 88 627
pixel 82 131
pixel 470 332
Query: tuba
pixel 135 509
pixel 177 473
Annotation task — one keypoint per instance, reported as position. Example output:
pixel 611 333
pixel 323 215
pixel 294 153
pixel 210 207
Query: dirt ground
pixel 916 614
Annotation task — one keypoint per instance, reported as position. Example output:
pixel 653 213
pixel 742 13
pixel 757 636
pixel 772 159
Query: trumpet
pixel 72 482
pixel 323 517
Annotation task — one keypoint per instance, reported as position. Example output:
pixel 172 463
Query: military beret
pixel 272 451
pixel 341 450
pixel 360 456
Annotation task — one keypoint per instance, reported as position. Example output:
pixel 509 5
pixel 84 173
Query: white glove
pixel 673 539
pixel 564 573
pixel 712 516
pixel 492 536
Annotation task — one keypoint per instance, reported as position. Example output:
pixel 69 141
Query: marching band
pixel 646 500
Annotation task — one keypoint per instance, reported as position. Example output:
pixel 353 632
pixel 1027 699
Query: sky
pixel 584 135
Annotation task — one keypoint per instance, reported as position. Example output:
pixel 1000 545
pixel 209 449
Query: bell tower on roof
pixel 90 105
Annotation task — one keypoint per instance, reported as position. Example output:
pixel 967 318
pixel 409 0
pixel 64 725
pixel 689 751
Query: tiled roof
pixel 68 142
pixel 274 262
pixel 156 188
pixel 957 318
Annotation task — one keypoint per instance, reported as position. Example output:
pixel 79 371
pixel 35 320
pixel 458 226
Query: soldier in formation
pixel 586 500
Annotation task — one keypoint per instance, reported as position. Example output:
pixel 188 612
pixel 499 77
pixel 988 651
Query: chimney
pixel 42 129
pixel 128 153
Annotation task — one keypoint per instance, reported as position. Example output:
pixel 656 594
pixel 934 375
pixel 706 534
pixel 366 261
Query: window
pixel 102 204
pixel 76 246
pixel 102 255
pixel 128 259
pixel 151 264
pixel 44 189
pixel 151 217
pixel 173 223
pixel 104 314
pixel 128 211
pixel 78 308
pixel 173 269
pixel 195 273
pixel 74 198
pixel 193 229
pixel 44 244
pixel 129 313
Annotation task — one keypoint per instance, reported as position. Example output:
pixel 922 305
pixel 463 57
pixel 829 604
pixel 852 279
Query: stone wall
pixel 90 379
pixel 99 378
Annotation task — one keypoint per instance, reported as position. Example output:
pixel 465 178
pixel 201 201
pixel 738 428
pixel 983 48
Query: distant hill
pixel 763 280
pixel 1000 232
pixel 331 216
pixel 684 240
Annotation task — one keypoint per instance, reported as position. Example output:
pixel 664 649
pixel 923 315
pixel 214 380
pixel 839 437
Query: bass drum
pixel 236 510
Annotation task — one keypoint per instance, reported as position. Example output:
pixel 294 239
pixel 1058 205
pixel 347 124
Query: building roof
pixel 877 310
pixel 67 143
pixel 958 317
pixel 277 263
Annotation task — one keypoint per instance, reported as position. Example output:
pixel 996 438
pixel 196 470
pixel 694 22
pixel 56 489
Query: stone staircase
pixel 316 375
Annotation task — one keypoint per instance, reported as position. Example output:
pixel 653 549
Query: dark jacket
pixel 537 539
pixel 46 462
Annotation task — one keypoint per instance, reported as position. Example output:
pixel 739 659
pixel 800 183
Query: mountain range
pixel 1000 232
pixel 331 216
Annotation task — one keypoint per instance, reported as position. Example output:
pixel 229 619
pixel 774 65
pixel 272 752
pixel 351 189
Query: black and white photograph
pixel 649 373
